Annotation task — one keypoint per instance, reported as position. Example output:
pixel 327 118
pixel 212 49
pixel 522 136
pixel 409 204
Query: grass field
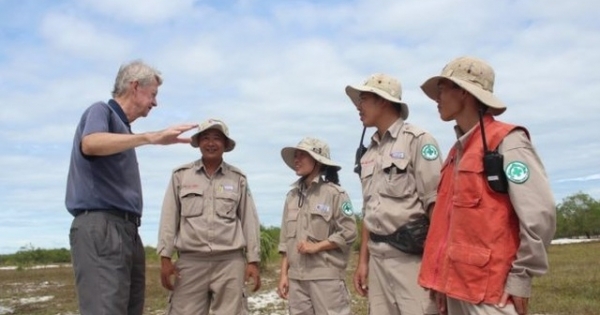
pixel 571 287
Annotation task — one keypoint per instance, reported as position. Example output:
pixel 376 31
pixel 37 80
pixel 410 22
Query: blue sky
pixel 275 71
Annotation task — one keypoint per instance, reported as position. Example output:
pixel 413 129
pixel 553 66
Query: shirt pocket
pixel 469 185
pixel 398 183
pixel 319 226
pixel 226 203
pixel 192 201
pixel 291 222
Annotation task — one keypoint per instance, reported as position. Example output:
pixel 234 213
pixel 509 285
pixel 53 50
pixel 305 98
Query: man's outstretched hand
pixel 171 135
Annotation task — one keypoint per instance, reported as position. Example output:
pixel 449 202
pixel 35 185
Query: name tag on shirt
pixel 322 208
pixel 227 188
pixel 397 155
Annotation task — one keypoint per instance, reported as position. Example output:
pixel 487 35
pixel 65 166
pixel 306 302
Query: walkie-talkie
pixel 493 163
pixel 360 151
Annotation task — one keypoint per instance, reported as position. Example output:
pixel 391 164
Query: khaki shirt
pixel 209 215
pixel 534 205
pixel 321 212
pixel 399 175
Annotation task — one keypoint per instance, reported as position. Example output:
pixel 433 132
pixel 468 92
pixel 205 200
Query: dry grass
pixel 19 285
pixel 573 284
pixel 571 287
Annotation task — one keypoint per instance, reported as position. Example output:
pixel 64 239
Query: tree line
pixel 578 216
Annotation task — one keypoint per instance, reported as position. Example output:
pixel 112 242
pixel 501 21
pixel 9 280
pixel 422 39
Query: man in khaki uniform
pixel 399 175
pixel 495 213
pixel 210 220
pixel 317 232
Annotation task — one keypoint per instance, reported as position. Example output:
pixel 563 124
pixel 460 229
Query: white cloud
pixel 78 37
pixel 581 179
pixel 62 98
pixel 140 11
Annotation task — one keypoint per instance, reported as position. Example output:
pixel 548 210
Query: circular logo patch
pixel 429 152
pixel 517 172
pixel 347 208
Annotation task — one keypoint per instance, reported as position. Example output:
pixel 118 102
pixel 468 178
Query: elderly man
pixel 104 194
pixel 495 214
pixel 209 219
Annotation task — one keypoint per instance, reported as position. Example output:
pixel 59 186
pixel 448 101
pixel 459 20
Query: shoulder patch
pixel 517 172
pixel 430 152
pixel 347 209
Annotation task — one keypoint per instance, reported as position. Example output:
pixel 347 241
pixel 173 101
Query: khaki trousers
pixel 393 287
pixel 318 297
pixel 458 307
pixel 203 285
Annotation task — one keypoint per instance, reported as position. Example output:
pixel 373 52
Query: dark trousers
pixel 109 264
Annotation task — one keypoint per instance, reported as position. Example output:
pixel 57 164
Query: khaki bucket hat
pixel 472 74
pixel 318 149
pixel 382 85
pixel 214 124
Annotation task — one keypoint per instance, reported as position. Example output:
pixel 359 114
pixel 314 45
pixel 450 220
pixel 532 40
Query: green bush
pixel 269 239
pixel 151 255
pixel 29 255
pixel 578 215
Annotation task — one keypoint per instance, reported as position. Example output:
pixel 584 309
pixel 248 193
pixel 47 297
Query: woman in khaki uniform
pixel 317 232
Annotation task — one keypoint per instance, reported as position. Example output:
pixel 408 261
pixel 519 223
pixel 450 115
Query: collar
pixel 303 190
pixel 117 109
pixel 298 183
pixel 198 165
pixel 393 131
pixel 464 136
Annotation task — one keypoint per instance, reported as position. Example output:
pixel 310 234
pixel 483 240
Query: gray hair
pixel 134 71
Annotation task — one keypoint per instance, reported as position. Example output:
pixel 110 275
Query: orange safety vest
pixel 474 232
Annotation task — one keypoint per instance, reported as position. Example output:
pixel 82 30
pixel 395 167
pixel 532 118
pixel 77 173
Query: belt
pixel 125 215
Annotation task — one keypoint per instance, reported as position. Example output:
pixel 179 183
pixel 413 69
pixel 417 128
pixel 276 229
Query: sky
pixel 275 72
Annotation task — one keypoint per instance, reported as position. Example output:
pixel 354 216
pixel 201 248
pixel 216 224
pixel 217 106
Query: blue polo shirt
pixel 103 182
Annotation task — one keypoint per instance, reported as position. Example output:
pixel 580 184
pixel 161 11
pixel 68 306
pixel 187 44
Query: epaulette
pixel 339 188
pixel 184 167
pixel 235 169
pixel 414 130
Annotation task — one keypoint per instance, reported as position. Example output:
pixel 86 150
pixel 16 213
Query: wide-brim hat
pixel 383 85
pixel 317 149
pixel 473 75
pixel 214 124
